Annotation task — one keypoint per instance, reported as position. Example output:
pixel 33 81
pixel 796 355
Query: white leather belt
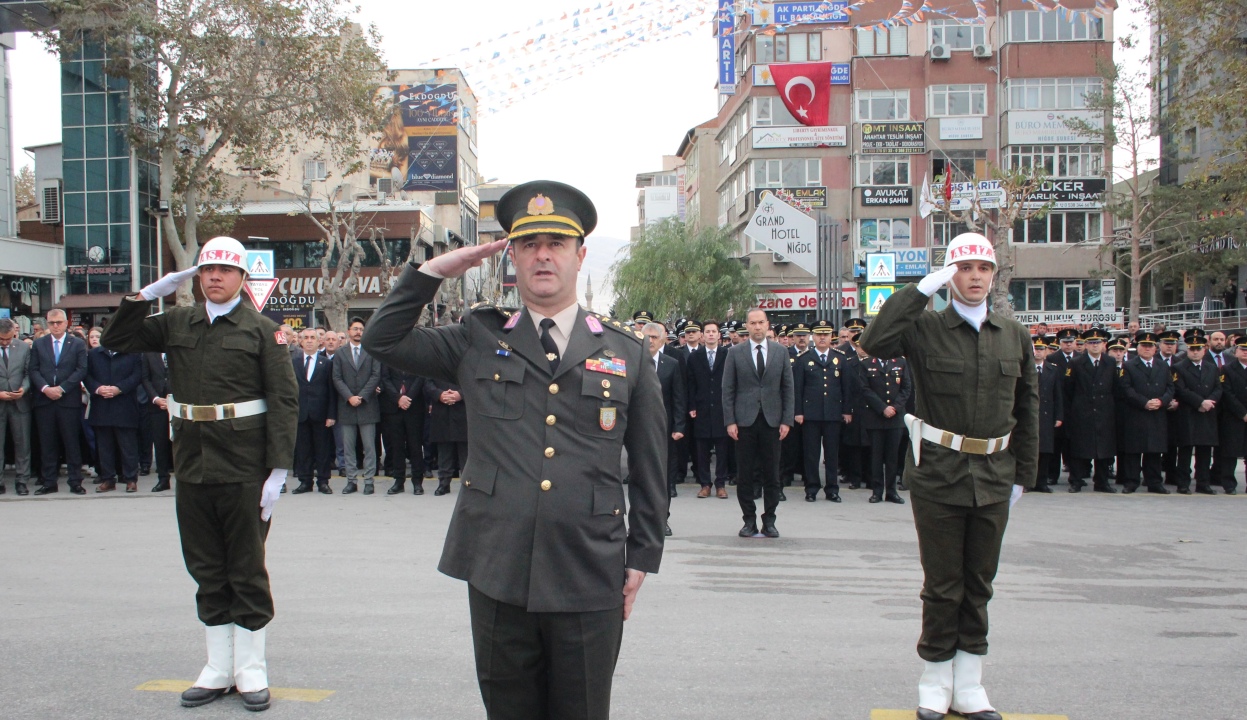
pixel 212 413
pixel 919 431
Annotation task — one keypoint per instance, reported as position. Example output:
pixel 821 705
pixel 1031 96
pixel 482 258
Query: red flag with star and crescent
pixel 805 89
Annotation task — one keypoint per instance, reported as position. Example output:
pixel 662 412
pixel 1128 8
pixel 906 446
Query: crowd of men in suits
pixel 1110 417
pixel 66 402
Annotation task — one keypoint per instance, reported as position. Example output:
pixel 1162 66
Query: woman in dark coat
pixel 448 429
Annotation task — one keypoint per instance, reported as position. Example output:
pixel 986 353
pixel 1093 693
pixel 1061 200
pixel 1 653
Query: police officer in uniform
pixel 792 449
pixel 974 442
pixel 1145 387
pixel 886 388
pixel 1198 390
pixel 1232 425
pixel 1066 353
pixel 234 403
pixel 823 391
pixel 1090 413
pixel 553 393
pixel 854 440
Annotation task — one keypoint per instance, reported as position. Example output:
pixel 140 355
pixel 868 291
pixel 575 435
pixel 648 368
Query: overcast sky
pixel 595 131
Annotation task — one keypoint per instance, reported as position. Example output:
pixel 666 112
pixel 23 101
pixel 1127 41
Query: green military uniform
pixel 221 465
pixel 538 529
pixel 981 385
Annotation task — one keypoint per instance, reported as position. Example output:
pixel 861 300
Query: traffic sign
pixel 260 264
pixel 260 291
pixel 880 267
pixel 875 297
pixel 786 231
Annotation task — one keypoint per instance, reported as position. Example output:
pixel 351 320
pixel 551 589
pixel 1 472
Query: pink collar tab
pixel 515 320
pixel 594 326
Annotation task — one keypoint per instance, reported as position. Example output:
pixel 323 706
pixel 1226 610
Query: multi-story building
pixel 661 193
pixel 697 150
pixel 909 102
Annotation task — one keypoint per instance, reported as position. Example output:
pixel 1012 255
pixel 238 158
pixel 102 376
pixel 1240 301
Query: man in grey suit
pixel 15 403
pixel 758 410
pixel 356 376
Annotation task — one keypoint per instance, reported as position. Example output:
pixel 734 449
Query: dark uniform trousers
pixel 792 456
pixel 884 455
pixel 223 546
pixel 960 551
pixel 544 665
pixel 158 428
pixel 403 432
pixel 1149 467
pixel 1203 466
pixel 823 434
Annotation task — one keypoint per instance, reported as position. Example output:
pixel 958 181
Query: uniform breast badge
pixel 615 366
pixel 606 418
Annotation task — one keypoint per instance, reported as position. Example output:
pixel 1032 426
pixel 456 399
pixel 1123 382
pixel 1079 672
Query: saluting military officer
pixel 234 405
pixel 824 393
pixel 974 444
pixel 553 393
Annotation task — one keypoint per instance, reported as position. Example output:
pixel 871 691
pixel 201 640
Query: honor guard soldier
pixel 1198 389
pixel 886 388
pixel 554 395
pixel 1145 386
pixel 234 404
pixel 1232 425
pixel 974 441
pixel 1090 413
pixel 824 395
pixel 1051 413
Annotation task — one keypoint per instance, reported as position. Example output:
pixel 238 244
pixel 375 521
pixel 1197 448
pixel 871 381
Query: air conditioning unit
pixel 779 259
pixel 982 51
pixel 50 202
pixel 385 186
pixel 941 51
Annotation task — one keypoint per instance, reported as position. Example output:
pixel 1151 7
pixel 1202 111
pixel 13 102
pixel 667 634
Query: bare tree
pixel 341 226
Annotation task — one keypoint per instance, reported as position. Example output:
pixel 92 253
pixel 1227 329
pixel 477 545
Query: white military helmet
pixel 969 246
pixel 223 251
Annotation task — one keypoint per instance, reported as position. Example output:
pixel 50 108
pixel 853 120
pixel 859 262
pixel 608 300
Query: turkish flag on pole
pixel 805 89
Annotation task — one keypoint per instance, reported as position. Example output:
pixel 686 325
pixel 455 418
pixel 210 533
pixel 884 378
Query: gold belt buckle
pixel 974 446
pixel 203 413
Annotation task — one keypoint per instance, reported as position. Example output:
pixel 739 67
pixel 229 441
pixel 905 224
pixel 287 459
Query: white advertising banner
pixel 661 202
pixel 800 136
pixel 785 299
pixel 1044 127
pixel 1077 317
pixel 965 128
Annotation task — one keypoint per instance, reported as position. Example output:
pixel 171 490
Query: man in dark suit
pixel 402 428
pixel 1051 414
pixel 1198 389
pixel 673 398
pixel 690 341
pixel 1145 386
pixel 356 375
pixel 553 396
pixel 318 412
pixel 705 408
pixel 58 365
pixel 15 403
pixel 758 409
pixel 1090 415
pixel 113 379
pixel 156 390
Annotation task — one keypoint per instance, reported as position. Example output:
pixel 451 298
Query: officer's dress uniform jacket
pixel 824 391
pixel 1232 426
pixel 1090 407
pixel 1051 406
pixel 886 384
pixel 978 384
pixel 1193 385
pixel 1143 430
pixel 539 522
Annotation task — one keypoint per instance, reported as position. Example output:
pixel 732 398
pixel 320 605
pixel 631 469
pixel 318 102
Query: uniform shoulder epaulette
pixel 485 308
pixel 618 327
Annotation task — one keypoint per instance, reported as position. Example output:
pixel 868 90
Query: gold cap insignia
pixel 540 205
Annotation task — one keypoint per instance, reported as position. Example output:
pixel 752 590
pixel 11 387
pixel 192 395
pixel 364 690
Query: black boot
pixel 255 701
pixel 397 487
pixel 196 696
pixel 322 486
pixel 443 487
pixel 417 486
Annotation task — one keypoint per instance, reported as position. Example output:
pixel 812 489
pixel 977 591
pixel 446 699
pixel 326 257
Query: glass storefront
pixel 24 298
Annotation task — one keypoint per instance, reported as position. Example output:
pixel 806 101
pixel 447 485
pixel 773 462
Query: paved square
pixel 1107 608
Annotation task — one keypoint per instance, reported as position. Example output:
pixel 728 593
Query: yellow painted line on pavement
pixel 909 715
pixel 296 694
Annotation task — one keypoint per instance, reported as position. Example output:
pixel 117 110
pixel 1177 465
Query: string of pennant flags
pixel 513 66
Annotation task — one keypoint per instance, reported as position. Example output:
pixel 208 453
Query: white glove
pixel 936 280
pixel 1017 495
pixel 168 284
pixel 272 490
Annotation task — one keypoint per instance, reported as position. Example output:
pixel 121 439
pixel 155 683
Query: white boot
pixel 935 687
pixel 968 693
pixel 219 672
pixel 250 667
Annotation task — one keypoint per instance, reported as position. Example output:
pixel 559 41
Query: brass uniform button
pixel 546 485
pixel 549 452
pixel 606 383
pixel 467 483
pixel 606 393
pixel 616 512
pixel 554 388
pixel 550 419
